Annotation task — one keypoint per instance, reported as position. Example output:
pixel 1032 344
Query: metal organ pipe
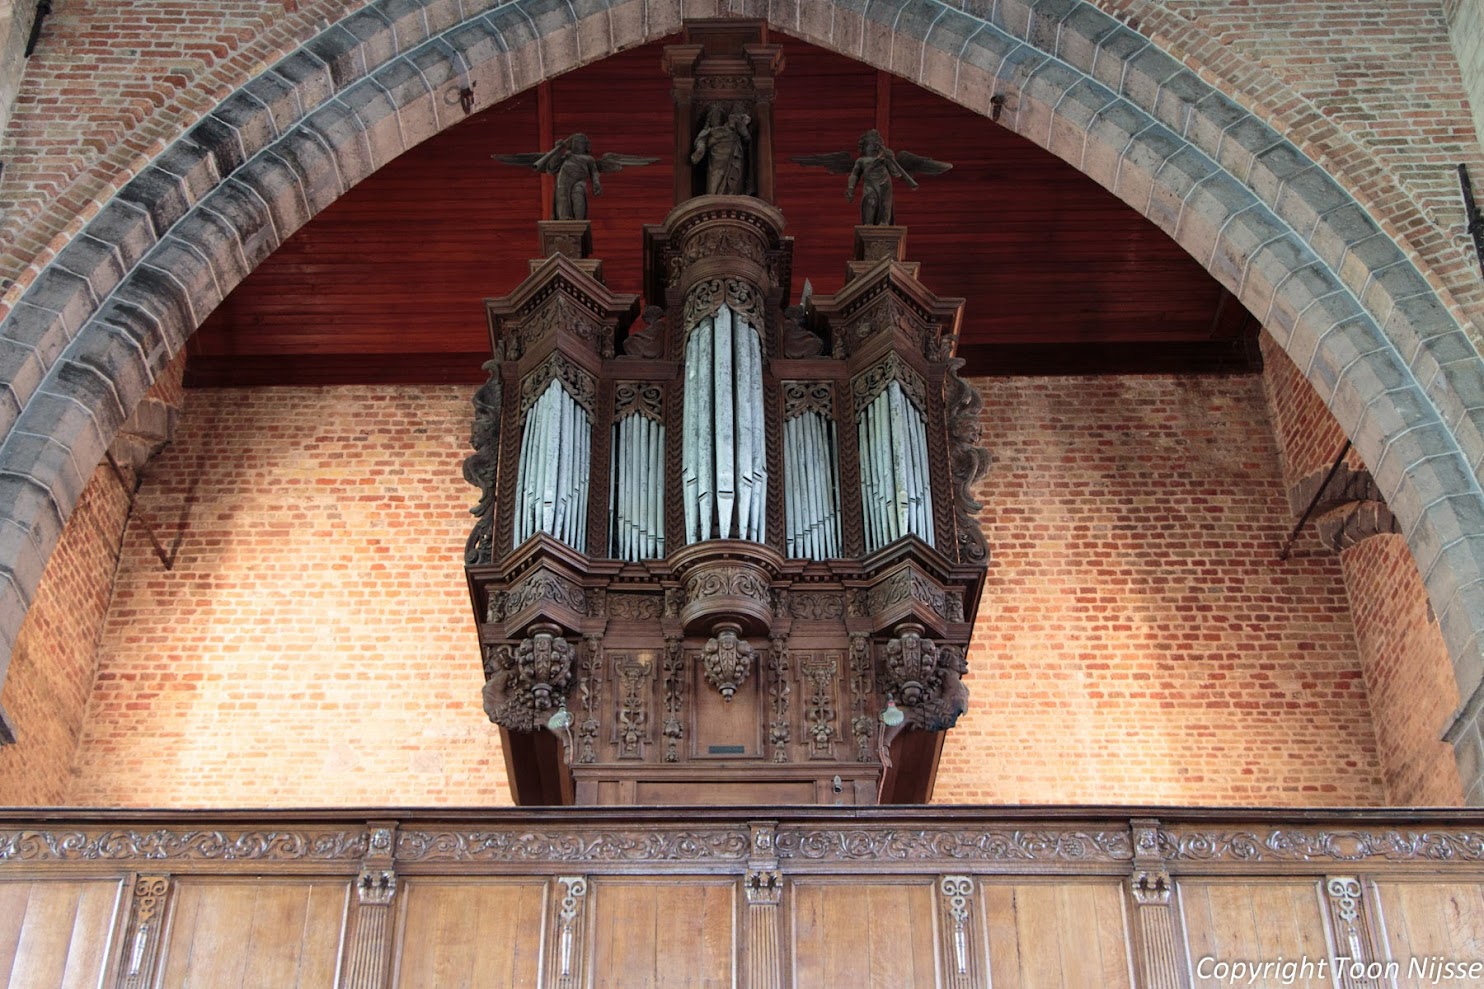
pixel 811 494
pixel 724 469
pixel 636 512
pixel 555 458
pixel 896 493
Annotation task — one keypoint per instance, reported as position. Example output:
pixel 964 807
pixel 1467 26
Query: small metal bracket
pixel 1474 218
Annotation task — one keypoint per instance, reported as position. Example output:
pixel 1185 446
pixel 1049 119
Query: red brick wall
pixel 1407 671
pixel 51 671
pixel 314 646
pixel 1309 438
pixel 1138 640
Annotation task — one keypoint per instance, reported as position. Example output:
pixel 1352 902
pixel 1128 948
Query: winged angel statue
pixel 873 168
pixel 573 164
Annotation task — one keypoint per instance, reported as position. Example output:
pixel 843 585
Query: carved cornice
pixel 537 845
pixel 198 846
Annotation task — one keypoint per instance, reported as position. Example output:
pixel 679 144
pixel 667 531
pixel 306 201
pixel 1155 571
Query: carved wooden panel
pixel 1429 924
pixel 1253 920
pixel 454 932
pixel 893 927
pixel 668 934
pixel 1056 935
pixel 55 933
pixel 245 935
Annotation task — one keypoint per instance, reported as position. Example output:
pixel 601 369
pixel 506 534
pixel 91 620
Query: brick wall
pixel 51 670
pixel 1408 675
pixel 313 645
pixel 1408 672
pixel 1138 639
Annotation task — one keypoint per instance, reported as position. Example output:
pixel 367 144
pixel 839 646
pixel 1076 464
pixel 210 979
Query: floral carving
pixel 674 728
pixel 820 673
pixel 632 727
pixel 817 605
pixel 642 397
pixel 779 731
pixel 907 584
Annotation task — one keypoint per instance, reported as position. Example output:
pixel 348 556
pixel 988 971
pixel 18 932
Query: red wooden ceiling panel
pixel 388 283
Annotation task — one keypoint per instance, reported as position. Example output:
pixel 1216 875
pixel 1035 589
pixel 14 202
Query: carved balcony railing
pixel 762 897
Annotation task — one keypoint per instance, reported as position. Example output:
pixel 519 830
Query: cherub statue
pixel 873 169
pixel 723 142
pixel 573 164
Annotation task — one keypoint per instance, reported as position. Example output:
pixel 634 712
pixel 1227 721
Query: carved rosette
pixel 727 659
pixel 529 680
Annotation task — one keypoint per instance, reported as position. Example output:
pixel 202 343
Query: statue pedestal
pixel 569 238
pixel 872 244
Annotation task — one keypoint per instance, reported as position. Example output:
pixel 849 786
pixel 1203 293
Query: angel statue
pixel 573 164
pixel 874 168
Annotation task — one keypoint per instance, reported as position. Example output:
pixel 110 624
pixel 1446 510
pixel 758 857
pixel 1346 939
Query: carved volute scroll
pixel 368 945
pixel 149 898
pixel 740 540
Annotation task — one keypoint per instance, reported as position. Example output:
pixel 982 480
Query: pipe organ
pixel 726 550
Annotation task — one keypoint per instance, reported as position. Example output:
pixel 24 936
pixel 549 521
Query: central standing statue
pixel 723 142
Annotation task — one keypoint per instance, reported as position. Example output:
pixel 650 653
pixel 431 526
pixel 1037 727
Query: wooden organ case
pixel 727 551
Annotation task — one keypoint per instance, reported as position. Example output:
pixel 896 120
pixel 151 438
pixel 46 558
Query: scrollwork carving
pixel 967 461
pixel 1322 845
pixel 870 383
pixel 481 466
pixel 635 607
pixel 541 586
pixel 927 844
pixel 164 845
pixel 726 581
pixel 808 396
pixel 906 584
pixel 536 845
pixel 632 726
pixel 816 606
pixel 779 731
pixel 638 397
pixel 709 296
pixel 862 689
pixel 590 687
pixel 579 384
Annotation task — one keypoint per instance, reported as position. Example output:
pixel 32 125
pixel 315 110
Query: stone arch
pixel 1354 310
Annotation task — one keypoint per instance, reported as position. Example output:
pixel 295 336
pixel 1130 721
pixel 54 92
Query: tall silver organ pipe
pixel 811 485
pixel 637 507
pixel 724 471
pixel 554 464
pixel 895 490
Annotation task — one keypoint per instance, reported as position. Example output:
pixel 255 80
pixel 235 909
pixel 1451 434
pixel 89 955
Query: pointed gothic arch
pixel 1348 301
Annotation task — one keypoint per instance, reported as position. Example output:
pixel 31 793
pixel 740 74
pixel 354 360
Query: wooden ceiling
pixel 387 284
